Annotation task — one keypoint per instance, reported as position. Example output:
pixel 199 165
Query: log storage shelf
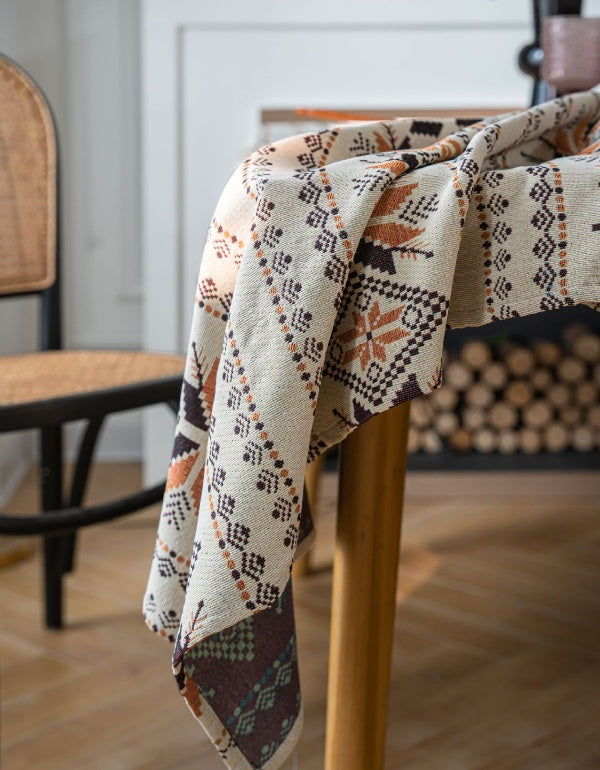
pixel 508 402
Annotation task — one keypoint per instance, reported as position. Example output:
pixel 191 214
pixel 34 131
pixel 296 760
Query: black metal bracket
pixel 531 56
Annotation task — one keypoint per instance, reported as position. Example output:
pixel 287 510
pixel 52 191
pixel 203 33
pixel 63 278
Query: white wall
pixel 101 173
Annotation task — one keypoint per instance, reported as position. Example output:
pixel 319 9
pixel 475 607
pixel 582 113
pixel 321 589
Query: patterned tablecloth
pixel 333 263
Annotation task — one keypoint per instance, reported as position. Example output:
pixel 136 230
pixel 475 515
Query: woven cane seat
pixel 78 376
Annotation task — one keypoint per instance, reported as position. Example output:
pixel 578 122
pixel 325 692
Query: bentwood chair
pixel 51 387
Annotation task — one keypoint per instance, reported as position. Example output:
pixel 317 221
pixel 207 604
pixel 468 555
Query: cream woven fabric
pixel 333 263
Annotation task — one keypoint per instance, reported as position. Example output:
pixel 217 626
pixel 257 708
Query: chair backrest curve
pixel 28 184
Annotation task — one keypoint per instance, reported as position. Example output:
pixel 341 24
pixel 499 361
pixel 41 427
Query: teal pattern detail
pixel 235 644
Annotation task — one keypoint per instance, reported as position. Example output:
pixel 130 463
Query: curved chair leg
pixel 59 549
pixel 372 473
pixel 81 473
pixel 52 499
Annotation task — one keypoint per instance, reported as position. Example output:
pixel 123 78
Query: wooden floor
pixel 497 651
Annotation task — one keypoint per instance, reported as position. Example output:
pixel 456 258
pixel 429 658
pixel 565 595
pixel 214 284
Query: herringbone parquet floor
pixel 497 652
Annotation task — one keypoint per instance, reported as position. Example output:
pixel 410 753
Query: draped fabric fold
pixel 333 263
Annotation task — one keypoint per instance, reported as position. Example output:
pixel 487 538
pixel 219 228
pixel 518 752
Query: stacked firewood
pixel 512 398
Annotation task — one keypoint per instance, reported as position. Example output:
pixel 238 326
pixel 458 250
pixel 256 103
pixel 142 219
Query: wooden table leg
pixel 372 472
pixel 312 481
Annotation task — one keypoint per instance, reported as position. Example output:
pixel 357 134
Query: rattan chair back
pixel 28 196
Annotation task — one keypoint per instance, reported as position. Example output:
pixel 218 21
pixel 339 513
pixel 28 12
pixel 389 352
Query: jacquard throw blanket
pixel 334 261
